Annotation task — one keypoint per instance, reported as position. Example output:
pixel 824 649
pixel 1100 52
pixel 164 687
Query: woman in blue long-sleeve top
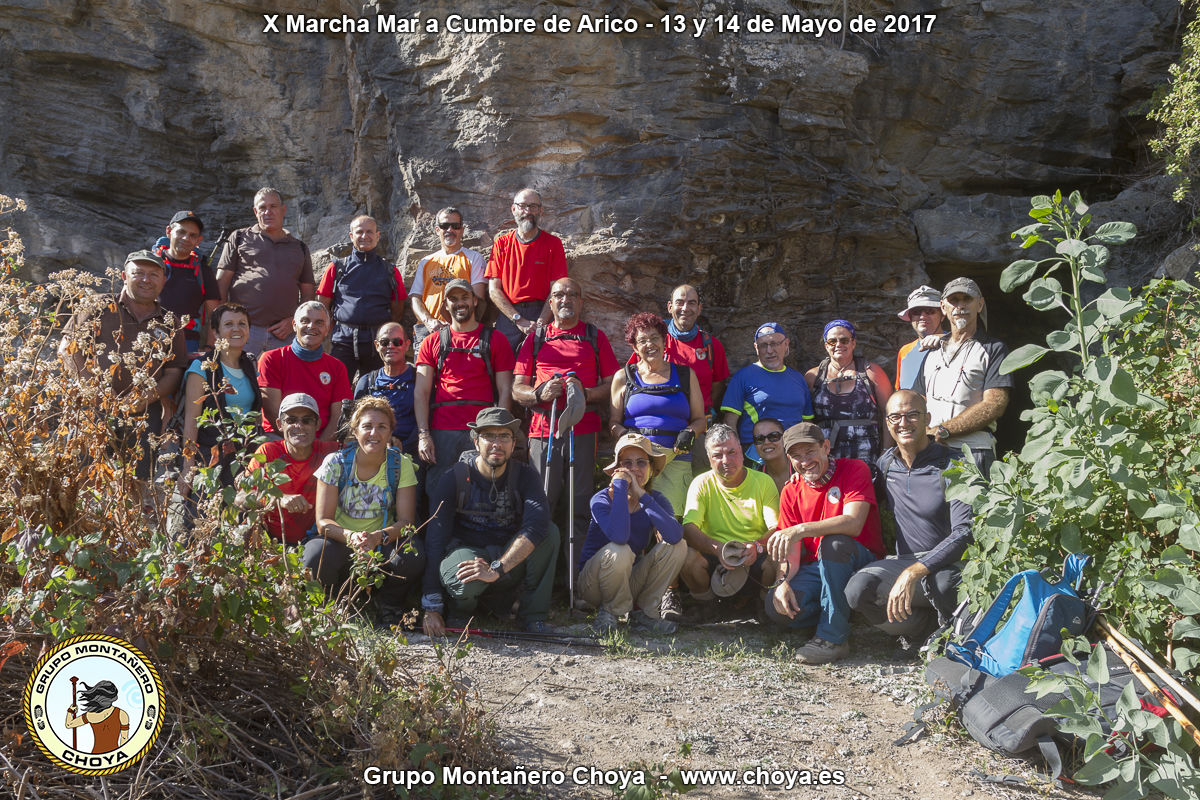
pixel 634 546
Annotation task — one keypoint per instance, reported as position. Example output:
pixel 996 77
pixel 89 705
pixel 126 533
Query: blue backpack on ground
pixel 1034 628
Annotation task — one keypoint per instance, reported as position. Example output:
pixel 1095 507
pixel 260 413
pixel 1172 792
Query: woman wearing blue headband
pixel 848 395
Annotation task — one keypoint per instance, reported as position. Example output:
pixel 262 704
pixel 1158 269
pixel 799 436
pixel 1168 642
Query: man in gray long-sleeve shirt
pixel 491 530
pixel 908 594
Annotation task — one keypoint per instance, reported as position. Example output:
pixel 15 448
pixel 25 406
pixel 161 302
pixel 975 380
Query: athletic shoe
pixel 671 609
pixel 819 651
pixel 604 622
pixel 646 624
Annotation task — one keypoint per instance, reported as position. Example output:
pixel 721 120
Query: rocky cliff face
pixel 790 177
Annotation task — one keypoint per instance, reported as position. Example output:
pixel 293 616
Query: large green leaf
pixel 1041 201
pixel 1097 667
pixel 1185 658
pixel 1180 588
pixel 1115 232
pixel 1044 294
pixel 1071 247
pixel 1052 382
pixel 1101 769
pixel 1022 357
pixel 1118 304
pixel 1016 274
pixel 1114 383
pixel 1186 628
pixel 1062 341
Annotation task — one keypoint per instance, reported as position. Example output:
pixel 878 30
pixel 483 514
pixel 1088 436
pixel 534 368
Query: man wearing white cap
pixel 634 546
pixel 924 313
pixel 961 377
pixel 289 517
pixel 766 388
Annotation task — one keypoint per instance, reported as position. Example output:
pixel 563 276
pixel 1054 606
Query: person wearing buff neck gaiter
pixel 304 366
pixel 828 529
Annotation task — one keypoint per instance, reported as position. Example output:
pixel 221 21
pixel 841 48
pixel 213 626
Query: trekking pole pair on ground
pixel 555 429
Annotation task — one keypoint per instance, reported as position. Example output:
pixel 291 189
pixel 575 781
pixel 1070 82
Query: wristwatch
pixel 942 433
pixel 516 317
pixel 497 567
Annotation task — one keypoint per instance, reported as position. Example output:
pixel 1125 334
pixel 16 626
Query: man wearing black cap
pixel 117 323
pixel 828 529
pixel 961 377
pixel 491 532
pixel 191 284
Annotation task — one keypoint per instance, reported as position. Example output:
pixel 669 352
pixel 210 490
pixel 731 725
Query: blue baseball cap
pixel 768 328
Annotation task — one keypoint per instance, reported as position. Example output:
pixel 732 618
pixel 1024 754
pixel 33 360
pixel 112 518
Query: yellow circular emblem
pixel 94 705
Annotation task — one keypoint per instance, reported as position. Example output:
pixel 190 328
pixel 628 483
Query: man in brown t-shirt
pixel 117 325
pixel 268 271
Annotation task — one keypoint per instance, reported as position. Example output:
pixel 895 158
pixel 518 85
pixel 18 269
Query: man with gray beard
pixel 522 266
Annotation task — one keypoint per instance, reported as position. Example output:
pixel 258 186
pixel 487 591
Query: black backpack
pixel 1002 715
pixel 482 348
pixel 462 480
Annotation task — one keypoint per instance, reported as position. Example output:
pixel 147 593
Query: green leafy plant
pixel 1110 465
pixel 1133 749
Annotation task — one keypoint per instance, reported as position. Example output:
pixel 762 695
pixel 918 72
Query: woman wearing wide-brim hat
pixel 634 547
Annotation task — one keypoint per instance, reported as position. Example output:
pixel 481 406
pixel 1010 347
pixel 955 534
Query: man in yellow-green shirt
pixel 729 503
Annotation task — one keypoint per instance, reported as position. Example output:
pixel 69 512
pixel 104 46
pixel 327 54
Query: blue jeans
pixel 820 589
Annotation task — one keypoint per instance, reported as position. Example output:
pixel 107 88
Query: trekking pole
pixel 550 442
pixel 545 638
pixel 571 515
pixel 75 704
pixel 1146 659
pixel 1155 691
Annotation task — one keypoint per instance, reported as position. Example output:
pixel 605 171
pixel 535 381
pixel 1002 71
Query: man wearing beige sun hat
pixel 634 546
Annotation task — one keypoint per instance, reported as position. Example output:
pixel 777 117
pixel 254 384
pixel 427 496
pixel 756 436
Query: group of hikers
pixel 753 493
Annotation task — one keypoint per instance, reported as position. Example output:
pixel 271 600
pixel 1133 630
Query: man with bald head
pixel 522 265
pixel 909 594
pixel 362 291
pixel 566 345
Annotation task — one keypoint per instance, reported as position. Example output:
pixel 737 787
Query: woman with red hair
pixel 660 400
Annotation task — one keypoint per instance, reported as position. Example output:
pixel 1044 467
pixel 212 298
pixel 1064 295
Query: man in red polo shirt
pixel 445 400
pixel 522 265
pixel 567 344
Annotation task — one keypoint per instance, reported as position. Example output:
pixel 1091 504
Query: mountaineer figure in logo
pixel 110 725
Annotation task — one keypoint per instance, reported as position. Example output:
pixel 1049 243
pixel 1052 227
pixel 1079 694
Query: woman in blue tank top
pixel 660 400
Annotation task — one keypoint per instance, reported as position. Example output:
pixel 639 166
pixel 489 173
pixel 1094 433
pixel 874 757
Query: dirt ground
pixel 726 696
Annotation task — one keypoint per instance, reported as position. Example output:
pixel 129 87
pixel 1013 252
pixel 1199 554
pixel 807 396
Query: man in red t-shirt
pixel 289 517
pixel 522 265
pixel 828 530
pixel 303 366
pixel 445 400
pixel 567 344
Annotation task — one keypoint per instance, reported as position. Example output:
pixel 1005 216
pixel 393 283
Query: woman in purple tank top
pixel 848 394
pixel 660 400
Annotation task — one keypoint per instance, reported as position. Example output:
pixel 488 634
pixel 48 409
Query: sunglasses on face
pixel 773 436
pixel 394 342
pixel 843 340
pixel 305 420
pixel 640 463
pixel 450 226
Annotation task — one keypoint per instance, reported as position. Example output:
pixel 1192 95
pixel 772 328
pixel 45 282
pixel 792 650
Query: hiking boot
pixel 671 609
pixel 647 624
pixel 819 651
pixel 605 622
pixel 539 626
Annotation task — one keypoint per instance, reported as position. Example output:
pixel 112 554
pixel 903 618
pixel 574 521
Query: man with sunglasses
pixel 428 290
pixel 924 313
pixel 395 382
pixel 909 594
pixel 766 388
pixel 522 266
pixel 462 368
pixel 361 291
pixel 289 517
